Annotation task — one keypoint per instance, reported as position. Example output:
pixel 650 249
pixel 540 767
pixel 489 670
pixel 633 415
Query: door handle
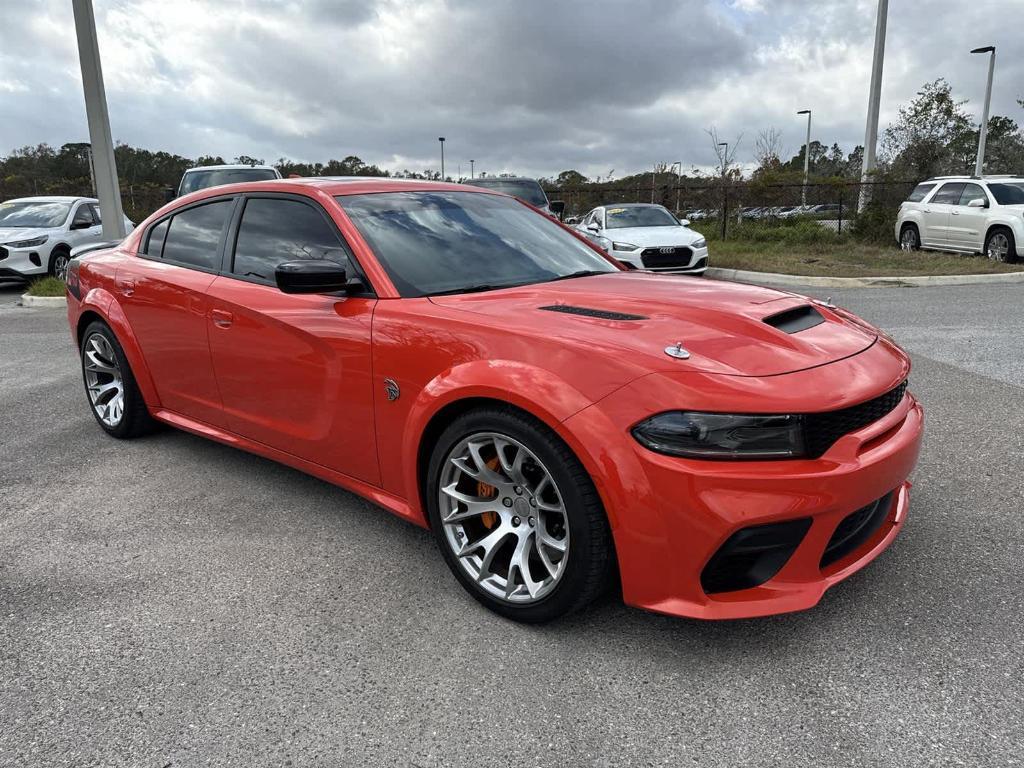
pixel 955 213
pixel 221 318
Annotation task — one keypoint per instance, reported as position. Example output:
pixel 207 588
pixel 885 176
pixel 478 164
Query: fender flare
pixel 103 303
pixel 532 389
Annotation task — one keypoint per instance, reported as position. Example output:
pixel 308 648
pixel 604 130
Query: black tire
pixel 910 238
pixel 591 563
pixel 135 420
pixel 58 265
pixel 1007 257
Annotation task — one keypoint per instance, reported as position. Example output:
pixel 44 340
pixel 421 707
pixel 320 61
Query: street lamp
pixel 471 162
pixel 441 139
pixel 679 181
pixel 990 49
pixel 807 155
pixel 725 156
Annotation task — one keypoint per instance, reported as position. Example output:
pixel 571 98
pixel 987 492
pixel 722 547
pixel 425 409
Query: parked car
pixel 37 234
pixel 205 176
pixel 964 214
pixel 528 190
pixel 556 421
pixel 647 236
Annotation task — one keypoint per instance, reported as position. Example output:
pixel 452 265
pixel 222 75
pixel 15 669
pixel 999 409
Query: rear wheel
pixel 1000 245
pixel 910 238
pixel 516 516
pixel 114 397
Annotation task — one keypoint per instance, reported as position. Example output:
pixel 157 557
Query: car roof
pixel 499 179
pixel 991 177
pixel 631 205
pixel 339 185
pixel 51 199
pixel 231 167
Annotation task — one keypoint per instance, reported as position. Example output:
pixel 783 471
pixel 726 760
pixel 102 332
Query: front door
pixel 163 293
pixel 294 370
pixel 967 223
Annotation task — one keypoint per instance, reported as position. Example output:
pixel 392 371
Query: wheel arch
pixel 101 305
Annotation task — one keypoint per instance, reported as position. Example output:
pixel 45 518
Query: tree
pixel 931 136
pixel 768 149
pixel 724 151
pixel 570 179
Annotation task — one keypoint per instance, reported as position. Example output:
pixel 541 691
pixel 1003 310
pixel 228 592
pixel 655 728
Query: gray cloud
pixel 534 87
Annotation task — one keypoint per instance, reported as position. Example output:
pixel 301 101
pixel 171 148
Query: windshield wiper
pixel 474 289
pixel 581 273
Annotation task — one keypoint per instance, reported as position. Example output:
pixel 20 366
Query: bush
pixel 46 286
pixel 796 231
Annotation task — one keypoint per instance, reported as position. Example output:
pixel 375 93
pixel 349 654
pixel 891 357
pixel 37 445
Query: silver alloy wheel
pixel 60 266
pixel 103 379
pixel 503 517
pixel 908 240
pixel 998 247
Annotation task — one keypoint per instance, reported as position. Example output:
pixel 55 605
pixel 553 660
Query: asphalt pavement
pixel 174 602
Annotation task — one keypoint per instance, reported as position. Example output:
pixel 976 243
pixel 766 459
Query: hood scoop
pixel 600 314
pixel 796 319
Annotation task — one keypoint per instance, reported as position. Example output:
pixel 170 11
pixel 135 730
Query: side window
pixel 193 238
pixel 96 213
pixel 972 192
pixel 949 193
pixel 154 244
pixel 273 231
pixel 920 193
pixel 83 217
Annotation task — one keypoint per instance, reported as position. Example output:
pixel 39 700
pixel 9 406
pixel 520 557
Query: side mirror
pixel 81 224
pixel 557 207
pixel 311 276
pixel 594 227
pixel 169 194
pixel 684 222
pixel 978 202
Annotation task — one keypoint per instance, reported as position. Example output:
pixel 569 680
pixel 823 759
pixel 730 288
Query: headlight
pixel 28 243
pixel 722 435
pixel 624 246
pixel 702 243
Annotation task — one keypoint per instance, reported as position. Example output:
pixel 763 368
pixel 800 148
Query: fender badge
pixel 678 351
pixel 391 389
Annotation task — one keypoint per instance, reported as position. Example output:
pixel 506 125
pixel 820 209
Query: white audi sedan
pixel 646 236
pixel 37 234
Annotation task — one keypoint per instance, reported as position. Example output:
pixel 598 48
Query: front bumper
pixel 23 262
pixel 670 516
pixel 697 264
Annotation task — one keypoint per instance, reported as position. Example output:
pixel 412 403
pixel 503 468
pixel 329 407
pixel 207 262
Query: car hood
pixel 14 234
pixel 653 236
pixel 722 325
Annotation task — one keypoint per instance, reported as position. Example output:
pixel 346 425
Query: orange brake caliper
pixel 488 491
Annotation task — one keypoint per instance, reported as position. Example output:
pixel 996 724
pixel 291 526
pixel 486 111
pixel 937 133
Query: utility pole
pixel 874 100
pixel 653 175
pixel 471 162
pixel 980 162
pixel 679 182
pixel 102 144
pixel 441 139
pixel 807 156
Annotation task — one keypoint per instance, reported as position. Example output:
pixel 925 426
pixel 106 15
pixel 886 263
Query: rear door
pixel 936 214
pixel 163 293
pixel 967 224
pixel 293 370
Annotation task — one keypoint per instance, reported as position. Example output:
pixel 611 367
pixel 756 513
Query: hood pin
pixel 678 351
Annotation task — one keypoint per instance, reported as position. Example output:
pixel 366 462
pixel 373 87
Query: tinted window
pixel 155 242
pixel 1007 193
pixel 972 192
pixel 527 190
pixel 640 216
pixel 190 182
pixel 194 235
pixel 920 193
pixel 949 193
pixel 446 242
pixel 275 231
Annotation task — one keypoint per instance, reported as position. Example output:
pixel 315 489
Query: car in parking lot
pixel 647 236
pixel 557 421
pixel 204 176
pixel 526 189
pixel 37 234
pixel 964 214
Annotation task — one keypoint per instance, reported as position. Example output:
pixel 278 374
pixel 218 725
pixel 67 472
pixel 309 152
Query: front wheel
pixel 516 516
pixel 1000 246
pixel 59 261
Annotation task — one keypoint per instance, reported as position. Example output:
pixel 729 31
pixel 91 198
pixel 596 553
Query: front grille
pixel 855 529
pixel 674 256
pixel 821 430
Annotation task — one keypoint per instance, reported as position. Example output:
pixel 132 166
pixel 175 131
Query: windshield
pixel 446 242
pixel 34 214
pixel 1008 193
pixel 530 191
pixel 643 216
pixel 195 180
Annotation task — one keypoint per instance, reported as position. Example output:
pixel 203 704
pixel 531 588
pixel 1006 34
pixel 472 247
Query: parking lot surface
pixel 174 602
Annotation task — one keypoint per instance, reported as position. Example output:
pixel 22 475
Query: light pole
pixel 874 99
pixel 102 144
pixel 441 139
pixel 980 162
pixel 679 181
pixel 471 162
pixel 725 156
pixel 807 156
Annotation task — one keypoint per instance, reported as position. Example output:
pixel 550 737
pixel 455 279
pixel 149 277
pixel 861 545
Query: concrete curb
pixel 43 301
pixel 775 278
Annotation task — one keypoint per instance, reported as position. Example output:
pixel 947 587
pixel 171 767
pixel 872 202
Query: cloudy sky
pixel 531 86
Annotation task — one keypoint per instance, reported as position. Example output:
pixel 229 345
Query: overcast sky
pixel 533 87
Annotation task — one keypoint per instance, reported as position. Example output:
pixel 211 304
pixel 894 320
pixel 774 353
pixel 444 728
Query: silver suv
pixel 965 214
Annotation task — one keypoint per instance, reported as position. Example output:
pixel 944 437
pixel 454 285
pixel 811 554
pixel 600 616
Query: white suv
pixel 965 214
pixel 38 233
